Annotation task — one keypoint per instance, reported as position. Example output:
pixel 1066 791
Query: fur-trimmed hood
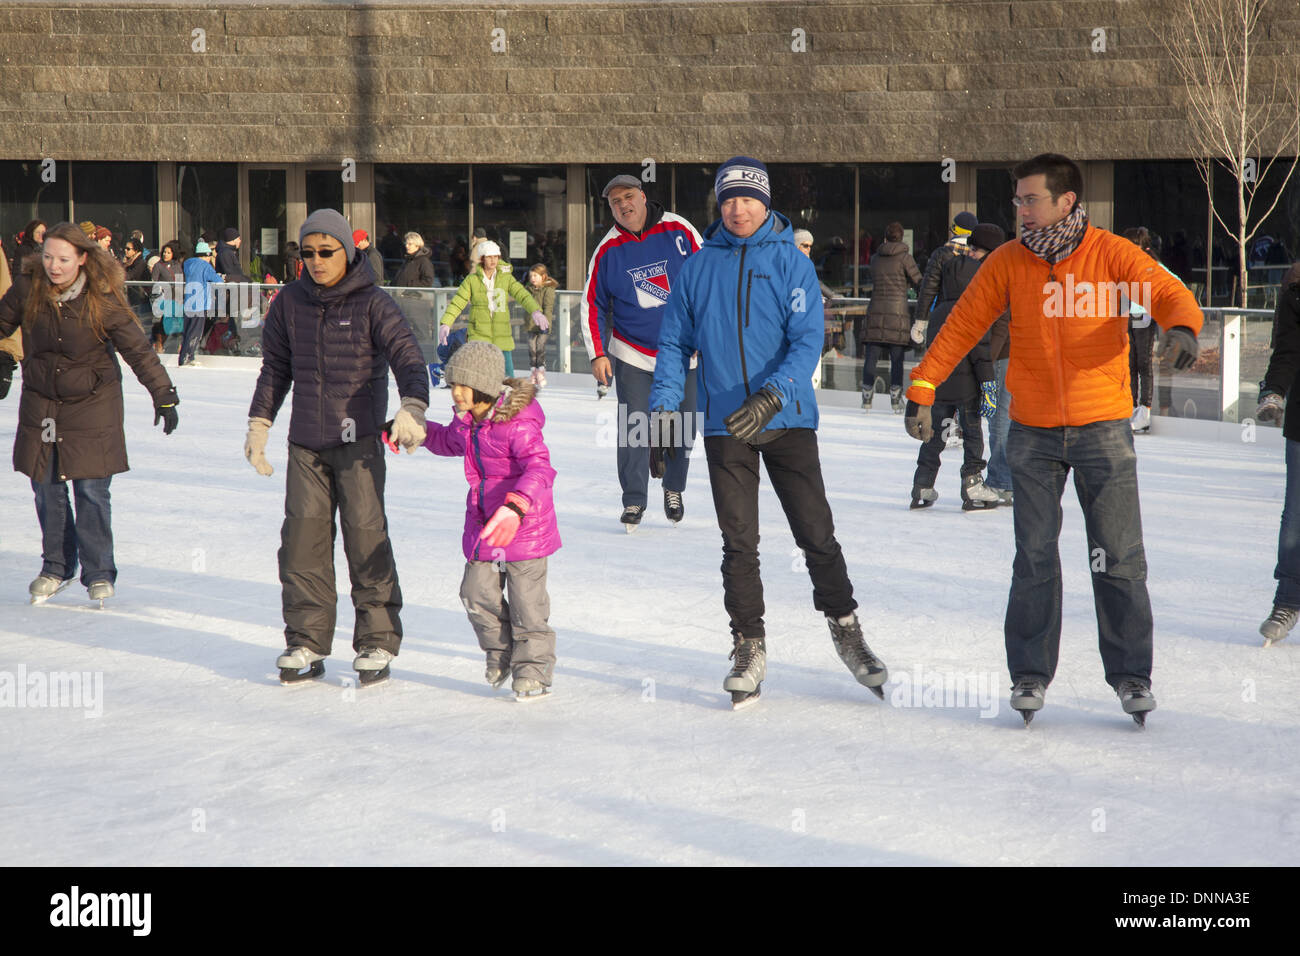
pixel 520 396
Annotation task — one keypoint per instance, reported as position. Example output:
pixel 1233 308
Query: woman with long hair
pixel 29 243
pixel 168 294
pixel 72 309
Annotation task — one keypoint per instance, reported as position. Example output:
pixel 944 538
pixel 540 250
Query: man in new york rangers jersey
pixel 628 283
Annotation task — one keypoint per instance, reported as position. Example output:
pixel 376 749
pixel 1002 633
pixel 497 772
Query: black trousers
pixel 945 417
pixel 795 471
pixel 1140 345
pixel 348 479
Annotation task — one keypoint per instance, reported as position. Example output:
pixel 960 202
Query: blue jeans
pixel 88 535
pixel 1287 571
pixel 895 353
pixel 633 385
pixel 999 471
pixel 1105 478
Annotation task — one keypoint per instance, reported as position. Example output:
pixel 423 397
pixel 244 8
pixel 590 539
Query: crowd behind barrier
pixel 1221 386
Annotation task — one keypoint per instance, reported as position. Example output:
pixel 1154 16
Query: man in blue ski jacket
pixel 629 282
pixel 749 302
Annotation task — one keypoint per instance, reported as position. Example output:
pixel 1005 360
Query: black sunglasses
pixel 323 253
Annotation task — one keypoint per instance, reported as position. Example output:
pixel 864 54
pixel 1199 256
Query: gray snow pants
pixel 350 479
pixel 514 633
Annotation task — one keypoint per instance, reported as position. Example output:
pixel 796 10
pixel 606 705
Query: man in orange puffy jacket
pixel 1068 285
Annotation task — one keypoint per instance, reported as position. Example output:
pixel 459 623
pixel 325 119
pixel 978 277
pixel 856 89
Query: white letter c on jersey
pixel 682 248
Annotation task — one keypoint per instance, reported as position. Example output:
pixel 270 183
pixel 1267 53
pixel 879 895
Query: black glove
pixel 1271 408
pixel 918 421
pixel 7 364
pixel 1180 347
pixel 752 417
pixel 167 415
pixel 666 437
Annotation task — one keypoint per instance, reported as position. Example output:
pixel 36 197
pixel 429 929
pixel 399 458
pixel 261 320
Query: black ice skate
pixel 923 497
pixel 293 661
pixel 1136 698
pixel 868 669
pixel 631 517
pixel 896 402
pixel 372 666
pixel 496 674
pixel 674 510
pixel 1027 696
pixel 976 496
pixel 746 678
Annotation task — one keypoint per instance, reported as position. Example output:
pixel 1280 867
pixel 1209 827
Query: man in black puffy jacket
pixel 332 335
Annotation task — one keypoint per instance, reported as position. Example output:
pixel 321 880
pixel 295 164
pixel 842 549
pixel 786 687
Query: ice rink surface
pixel 185 748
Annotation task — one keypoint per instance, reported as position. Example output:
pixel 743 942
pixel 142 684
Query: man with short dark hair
pixel 628 282
pixel 749 303
pixel 332 335
pixel 1064 282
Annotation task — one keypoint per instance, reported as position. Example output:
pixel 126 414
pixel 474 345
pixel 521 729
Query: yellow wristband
pixel 923 383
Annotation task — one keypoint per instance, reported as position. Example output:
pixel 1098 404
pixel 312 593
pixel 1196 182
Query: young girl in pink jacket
pixel 510 527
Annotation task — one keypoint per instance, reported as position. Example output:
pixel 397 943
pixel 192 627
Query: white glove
pixel 409 427
pixel 255 445
pixel 918 331
pixel 444 333
pixel 539 320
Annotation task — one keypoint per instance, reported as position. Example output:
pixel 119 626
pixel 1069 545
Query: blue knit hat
pixel 742 176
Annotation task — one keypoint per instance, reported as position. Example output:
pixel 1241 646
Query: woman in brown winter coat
pixel 889 320
pixel 72 309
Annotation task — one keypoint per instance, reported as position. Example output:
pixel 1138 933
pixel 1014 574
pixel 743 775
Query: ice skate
pixel 923 497
pixel 631 517
pixel 1141 420
pixel 976 496
pixel 528 691
pixel 1275 628
pixel 896 402
pixel 496 673
pixel 674 510
pixel 601 391
pixel 541 377
pixel 866 400
pixel 866 668
pixel 1027 696
pixel 45 587
pixel 371 665
pixel 294 659
pixel 1005 496
pixel 746 678
pixel 1135 696
pixel 100 591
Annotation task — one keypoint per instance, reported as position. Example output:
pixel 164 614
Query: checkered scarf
pixel 1054 243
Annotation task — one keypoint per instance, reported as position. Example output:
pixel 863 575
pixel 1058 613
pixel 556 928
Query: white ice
pixel 200 756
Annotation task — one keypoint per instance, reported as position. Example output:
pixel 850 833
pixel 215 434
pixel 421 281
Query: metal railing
pixel 1221 386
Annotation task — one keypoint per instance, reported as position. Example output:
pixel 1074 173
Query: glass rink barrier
pixel 1222 385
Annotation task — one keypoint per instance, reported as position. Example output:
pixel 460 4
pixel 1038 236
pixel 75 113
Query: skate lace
pixel 743 654
pixel 1132 688
pixel 1023 687
pixel 674 498
pixel 849 640
pixel 1284 615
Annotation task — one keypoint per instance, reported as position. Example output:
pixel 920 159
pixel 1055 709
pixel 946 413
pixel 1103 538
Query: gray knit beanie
pixel 329 222
pixel 479 365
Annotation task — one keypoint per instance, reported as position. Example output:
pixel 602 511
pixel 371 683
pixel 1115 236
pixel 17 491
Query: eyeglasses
pixel 323 253
pixel 1029 201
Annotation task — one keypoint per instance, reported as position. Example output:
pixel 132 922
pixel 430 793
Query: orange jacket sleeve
pixel 1168 301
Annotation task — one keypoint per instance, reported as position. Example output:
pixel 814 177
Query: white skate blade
pixel 543 694
pixel 631 528
pixel 745 702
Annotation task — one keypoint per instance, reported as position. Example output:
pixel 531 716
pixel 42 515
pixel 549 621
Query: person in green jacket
pixel 487 291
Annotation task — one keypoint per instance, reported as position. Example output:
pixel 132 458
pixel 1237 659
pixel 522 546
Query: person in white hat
pixel 487 292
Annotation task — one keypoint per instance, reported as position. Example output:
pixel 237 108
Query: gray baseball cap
pixel 621 180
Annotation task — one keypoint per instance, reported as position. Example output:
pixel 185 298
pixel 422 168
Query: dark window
pixel 431 200
pixel 208 198
pixel 24 196
pixel 121 196
pixel 522 208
